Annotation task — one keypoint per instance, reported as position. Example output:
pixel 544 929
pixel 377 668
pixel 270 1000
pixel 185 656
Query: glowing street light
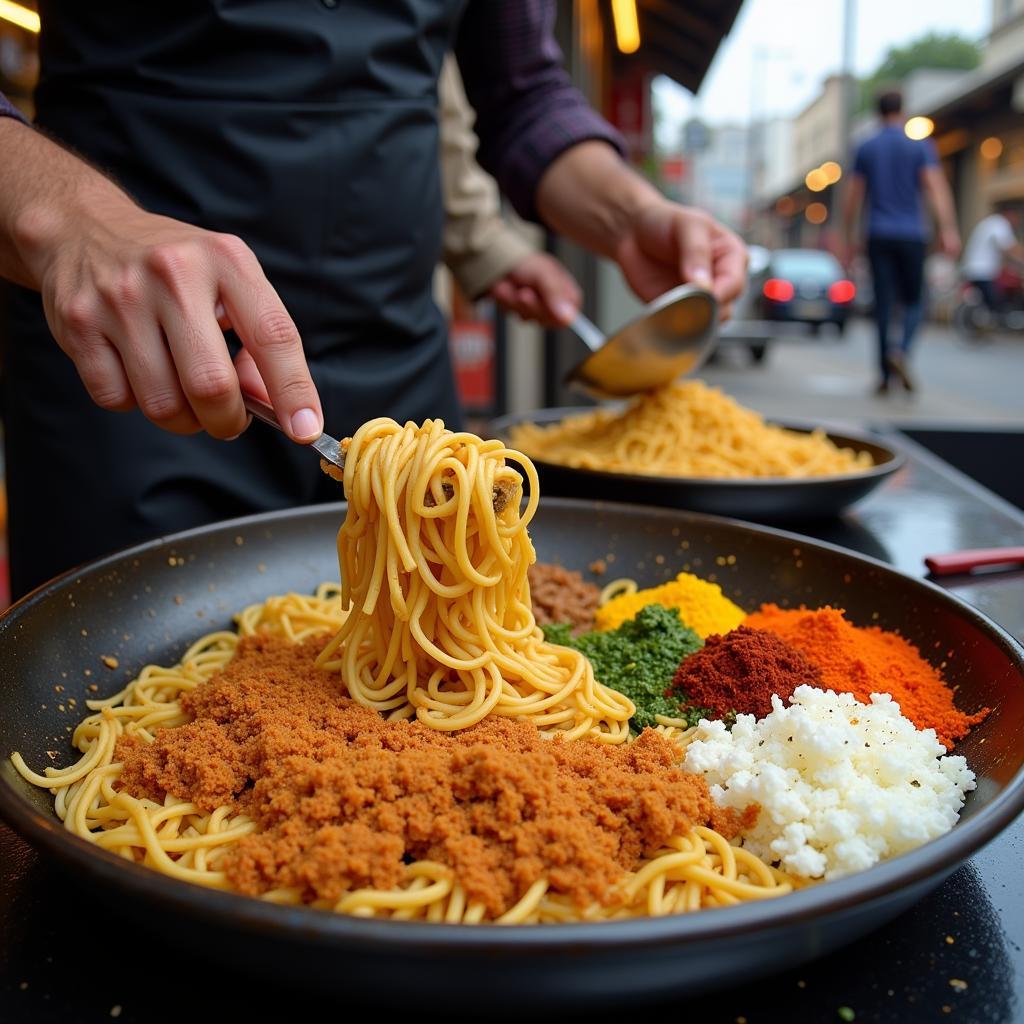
pixel 816 213
pixel 18 15
pixel 832 171
pixel 992 148
pixel 816 180
pixel 918 128
pixel 627 25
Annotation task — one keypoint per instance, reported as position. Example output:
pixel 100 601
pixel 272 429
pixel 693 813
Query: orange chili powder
pixel 344 798
pixel 866 660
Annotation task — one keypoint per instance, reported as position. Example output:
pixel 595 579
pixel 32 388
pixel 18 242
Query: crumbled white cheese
pixel 842 785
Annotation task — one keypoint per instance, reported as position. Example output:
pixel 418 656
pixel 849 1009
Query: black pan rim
pixel 893 460
pixel 928 864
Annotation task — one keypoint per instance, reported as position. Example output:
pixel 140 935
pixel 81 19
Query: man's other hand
pixel 539 288
pixel 666 244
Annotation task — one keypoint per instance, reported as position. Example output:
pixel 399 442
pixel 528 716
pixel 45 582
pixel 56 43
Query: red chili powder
pixel 344 798
pixel 740 670
pixel 866 660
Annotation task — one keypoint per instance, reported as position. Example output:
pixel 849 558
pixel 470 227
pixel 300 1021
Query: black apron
pixel 309 129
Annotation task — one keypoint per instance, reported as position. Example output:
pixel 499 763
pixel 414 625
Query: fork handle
pixel 261 411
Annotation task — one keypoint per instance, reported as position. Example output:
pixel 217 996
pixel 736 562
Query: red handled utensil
pixel 966 561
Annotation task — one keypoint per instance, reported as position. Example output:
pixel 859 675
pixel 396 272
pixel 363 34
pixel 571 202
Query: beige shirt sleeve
pixel 479 247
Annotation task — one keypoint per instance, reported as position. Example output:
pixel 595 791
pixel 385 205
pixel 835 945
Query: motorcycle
pixel 976 321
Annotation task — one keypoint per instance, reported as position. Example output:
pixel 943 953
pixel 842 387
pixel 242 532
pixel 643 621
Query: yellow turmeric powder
pixel 701 605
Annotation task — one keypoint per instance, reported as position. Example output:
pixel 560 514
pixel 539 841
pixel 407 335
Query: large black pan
pixel 765 499
pixel 148 603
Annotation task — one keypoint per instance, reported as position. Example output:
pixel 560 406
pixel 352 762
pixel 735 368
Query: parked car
pixel 804 286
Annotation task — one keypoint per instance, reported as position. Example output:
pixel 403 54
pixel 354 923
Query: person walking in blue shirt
pixel 892 172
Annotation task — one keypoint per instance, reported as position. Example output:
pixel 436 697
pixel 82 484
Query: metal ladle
pixel 673 336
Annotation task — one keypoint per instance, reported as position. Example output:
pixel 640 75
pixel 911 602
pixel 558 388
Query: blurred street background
pixel 753 110
pixel 832 378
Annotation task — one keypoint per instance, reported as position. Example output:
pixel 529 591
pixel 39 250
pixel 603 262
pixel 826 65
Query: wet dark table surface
pixel 66 957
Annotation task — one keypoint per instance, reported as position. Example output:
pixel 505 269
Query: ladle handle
pixel 587 331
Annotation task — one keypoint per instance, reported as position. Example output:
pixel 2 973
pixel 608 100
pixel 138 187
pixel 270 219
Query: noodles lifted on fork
pixel 434 622
pixel 441 625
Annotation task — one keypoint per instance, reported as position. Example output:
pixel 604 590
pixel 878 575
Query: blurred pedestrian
pixel 993 241
pixel 891 172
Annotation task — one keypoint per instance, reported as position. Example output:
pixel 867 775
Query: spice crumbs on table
pixel 178 599
pixel 85 632
pixel 801 984
pixel 958 984
pixel 846 1013
pixel 950 940
pixel 947 1009
pixel 92 687
pixel 115 1011
pixel 23 986
pixel 110 661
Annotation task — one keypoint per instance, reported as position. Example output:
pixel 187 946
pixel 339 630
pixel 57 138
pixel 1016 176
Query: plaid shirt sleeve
pixel 528 111
pixel 8 109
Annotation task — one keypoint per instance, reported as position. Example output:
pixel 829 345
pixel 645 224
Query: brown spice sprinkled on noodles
pixel 343 798
pixel 562 595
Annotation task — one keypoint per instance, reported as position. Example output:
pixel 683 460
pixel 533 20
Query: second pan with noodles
pixel 148 604
pixel 767 498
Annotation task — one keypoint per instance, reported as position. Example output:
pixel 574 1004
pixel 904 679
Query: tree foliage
pixel 934 50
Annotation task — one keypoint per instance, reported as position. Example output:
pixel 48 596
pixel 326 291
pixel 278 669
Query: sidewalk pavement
pixel 833 379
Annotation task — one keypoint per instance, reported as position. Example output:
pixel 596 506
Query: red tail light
pixel 842 291
pixel 778 290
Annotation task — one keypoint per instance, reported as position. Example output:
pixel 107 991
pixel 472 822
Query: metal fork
pixel 329 448
pixel 331 451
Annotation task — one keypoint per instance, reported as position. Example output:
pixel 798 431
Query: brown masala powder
pixel 344 798
pixel 562 595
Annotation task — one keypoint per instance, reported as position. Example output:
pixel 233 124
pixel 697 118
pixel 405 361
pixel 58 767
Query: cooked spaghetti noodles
pixel 685 430
pixel 693 870
pixel 254 766
pixel 442 626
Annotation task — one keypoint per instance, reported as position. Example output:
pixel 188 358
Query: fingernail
pixel 235 437
pixel 565 311
pixel 701 278
pixel 306 425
